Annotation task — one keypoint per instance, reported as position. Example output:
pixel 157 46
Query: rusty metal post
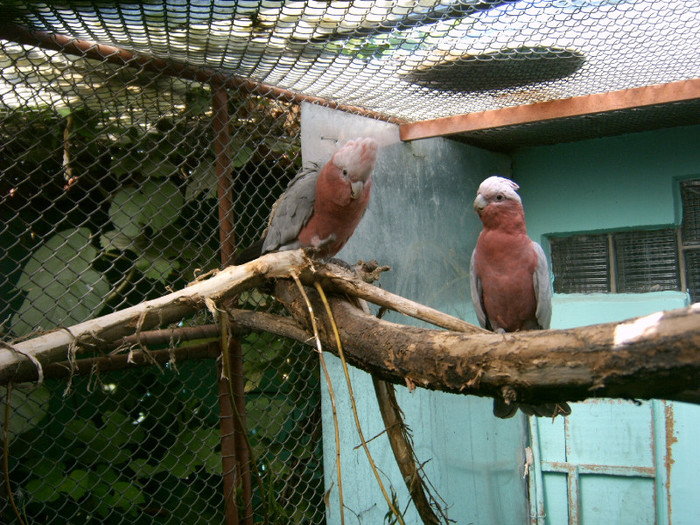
pixel 234 450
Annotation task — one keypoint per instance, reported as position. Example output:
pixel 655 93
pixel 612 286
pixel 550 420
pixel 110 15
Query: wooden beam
pixel 682 90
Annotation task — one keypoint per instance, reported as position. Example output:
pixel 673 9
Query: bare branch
pixel 53 346
pixel 656 356
pixel 110 363
pixel 338 279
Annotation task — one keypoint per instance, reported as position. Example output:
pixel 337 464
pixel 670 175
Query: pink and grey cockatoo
pixel 510 283
pixel 321 208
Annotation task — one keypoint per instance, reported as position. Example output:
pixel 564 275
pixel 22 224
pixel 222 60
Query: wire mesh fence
pixel 109 196
pixel 410 60
pixel 113 191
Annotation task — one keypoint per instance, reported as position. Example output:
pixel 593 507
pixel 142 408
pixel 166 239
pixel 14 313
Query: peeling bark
pixel 54 346
pixel 656 356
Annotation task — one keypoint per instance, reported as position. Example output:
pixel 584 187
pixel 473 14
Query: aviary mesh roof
pixel 404 59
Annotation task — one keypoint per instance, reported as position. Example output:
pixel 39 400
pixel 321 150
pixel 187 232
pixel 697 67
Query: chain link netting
pixel 109 197
pixel 406 59
pixel 110 194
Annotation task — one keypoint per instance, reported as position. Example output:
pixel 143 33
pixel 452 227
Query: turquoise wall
pixel 420 222
pixel 607 183
pixel 628 181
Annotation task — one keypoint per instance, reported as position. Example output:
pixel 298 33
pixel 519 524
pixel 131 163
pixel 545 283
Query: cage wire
pixel 109 195
pixel 110 198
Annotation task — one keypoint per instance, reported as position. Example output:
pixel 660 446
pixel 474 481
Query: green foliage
pixel 283 410
pixel 28 407
pixel 142 217
pixel 130 445
pixel 138 216
pixel 61 286
pixel 136 213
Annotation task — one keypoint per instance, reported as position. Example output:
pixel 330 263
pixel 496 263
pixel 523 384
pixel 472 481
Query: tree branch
pixel 656 356
pixel 53 346
pixel 111 363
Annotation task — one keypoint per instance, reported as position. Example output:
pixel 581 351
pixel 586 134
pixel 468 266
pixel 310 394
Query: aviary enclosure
pixel 144 144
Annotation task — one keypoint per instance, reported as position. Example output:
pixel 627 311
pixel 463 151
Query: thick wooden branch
pixel 657 356
pixel 53 346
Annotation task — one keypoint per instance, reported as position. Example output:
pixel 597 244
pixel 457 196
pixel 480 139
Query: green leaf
pixel 61 304
pixel 271 415
pixel 64 255
pixel 126 164
pixel 90 444
pixel 155 265
pixel 203 179
pixel 106 473
pixel 100 495
pixel 28 406
pixel 44 487
pixel 61 287
pixel 197 102
pixel 127 212
pixel 120 430
pixel 241 156
pixel 205 453
pixel 163 203
pixel 143 469
pixel 116 240
pixel 126 495
pixel 178 460
pixel 155 204
pixel 77 483
pixel 82 430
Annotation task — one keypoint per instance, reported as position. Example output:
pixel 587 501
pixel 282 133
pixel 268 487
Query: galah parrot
pixel 321 208
pixel 510 284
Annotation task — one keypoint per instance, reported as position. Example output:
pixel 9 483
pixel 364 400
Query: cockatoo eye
pixel 499 197
pixel 345 173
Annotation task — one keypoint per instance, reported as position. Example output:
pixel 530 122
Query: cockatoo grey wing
pixel 291 212
pixel 477 293
pixel 543 288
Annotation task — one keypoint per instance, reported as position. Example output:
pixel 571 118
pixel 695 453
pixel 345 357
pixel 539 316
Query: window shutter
pixel 690 195
pixel 646 261
pixel 580 264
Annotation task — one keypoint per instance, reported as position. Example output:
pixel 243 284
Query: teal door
pixel 606 464
pixel 615 461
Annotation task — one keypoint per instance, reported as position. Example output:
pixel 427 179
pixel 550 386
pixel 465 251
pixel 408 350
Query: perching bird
pixel 321 209
pixel 510 284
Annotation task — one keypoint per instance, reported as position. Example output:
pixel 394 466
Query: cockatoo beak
pixel 480 203
pixel 356 189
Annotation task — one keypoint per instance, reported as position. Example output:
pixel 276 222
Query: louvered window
pixel 633 261
pixel 646 261
pixel 692 269
pixel 581 263
pixel 690 197
pixel 690 234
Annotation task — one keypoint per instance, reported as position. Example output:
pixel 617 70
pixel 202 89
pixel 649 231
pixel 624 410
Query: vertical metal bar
pixel 662 424
pixel 611 264
pixel 572 479
pixel 574 496
pixel 536 481
pixel 234 450
pixel 681 261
